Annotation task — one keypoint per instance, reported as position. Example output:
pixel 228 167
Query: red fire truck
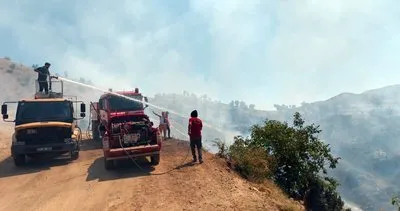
pixel 125 130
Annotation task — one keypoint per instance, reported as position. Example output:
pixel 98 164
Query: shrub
pixel 251 162
pixel 396 201
pixel 322 195
pixel 222 148
pixel 24 80
pixel 294 157
pixel 12 66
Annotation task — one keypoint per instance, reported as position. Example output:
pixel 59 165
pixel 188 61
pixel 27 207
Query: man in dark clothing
pixel 43 72
pixel 194 130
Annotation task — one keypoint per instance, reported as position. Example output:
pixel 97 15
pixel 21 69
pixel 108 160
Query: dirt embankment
pixel 84 184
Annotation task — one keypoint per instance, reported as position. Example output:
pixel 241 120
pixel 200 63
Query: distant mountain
pixel 363 129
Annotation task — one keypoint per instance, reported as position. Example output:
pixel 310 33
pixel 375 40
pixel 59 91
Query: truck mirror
pixel 4 109
pixel 83 108
pixel 83 115
pixel 5 116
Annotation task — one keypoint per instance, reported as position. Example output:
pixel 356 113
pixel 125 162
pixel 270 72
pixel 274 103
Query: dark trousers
pixel 195 142
pixel 169 131
pixel 43 85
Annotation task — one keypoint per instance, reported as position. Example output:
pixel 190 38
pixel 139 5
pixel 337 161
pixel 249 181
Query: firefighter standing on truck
pixel 43 72
pixel 194 131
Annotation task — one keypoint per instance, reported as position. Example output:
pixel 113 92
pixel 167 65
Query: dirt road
pixel 84 184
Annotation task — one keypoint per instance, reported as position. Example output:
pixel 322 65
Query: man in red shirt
pixel 194 131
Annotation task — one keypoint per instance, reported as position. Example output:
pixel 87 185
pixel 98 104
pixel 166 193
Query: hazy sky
pixel 262 52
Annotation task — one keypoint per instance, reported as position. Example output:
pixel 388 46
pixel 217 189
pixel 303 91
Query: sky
pixel 263 52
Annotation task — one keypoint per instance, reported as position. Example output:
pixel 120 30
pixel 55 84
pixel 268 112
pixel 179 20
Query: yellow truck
pixel 45 125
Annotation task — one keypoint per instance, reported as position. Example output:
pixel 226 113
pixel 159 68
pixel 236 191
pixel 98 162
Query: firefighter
pixel 162 125
pixel 43 72
pixel 167 124
pixel 194 131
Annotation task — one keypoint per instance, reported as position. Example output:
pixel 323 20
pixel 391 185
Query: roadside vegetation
pixel 396 201
pixel 291 156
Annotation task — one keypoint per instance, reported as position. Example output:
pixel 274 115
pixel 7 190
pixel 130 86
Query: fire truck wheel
pixel 74 154
pixel 109 164
pixel 155 159
pixel 19 160
pixel 95 131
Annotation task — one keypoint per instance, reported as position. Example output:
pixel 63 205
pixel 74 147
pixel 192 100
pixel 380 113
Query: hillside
pixel 361 128
pixel 18 81
pixel 210 186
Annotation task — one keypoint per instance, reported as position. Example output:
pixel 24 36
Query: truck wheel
pixel 74 154
pixel 109 164
pixel 19 160
pixel 155 159
pixel 95 131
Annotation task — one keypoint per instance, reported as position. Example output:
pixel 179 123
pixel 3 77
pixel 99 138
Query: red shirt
pixel 195 126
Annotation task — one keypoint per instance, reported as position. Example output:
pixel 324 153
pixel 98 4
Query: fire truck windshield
pixel 118 103
pixel 28 112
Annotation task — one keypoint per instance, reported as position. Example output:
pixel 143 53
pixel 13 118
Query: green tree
pixel 297 161
pixel 396 202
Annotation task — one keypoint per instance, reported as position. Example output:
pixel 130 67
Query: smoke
pixel 262 52
pixel 214 120
pixel 212 131
pixel 352 206
pixel 15 80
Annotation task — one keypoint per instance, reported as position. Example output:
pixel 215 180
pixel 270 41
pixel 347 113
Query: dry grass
pixel 270 191
pixel 251 163
pixel 280 198
pixel 254 165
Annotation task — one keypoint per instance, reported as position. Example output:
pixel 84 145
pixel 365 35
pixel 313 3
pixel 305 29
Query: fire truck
pixel 125 131
pixel 45 126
